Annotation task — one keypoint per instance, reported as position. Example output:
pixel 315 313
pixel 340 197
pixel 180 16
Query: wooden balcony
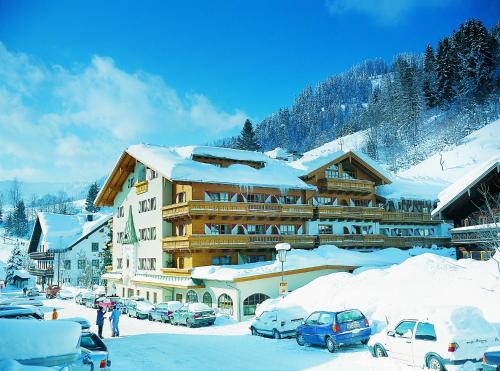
pixel 346 185
pixel 45 272
pixel 487 237
pixel 141 187
pixel 176 272
pixel 407 217
pixel 410 241
pixel 235 241
pixel 236 209
pixel 41 255
pixel 352 240
pixel 349 212
pixel 109 268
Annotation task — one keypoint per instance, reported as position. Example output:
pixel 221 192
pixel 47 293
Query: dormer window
pixel 332 172
pixel 219 196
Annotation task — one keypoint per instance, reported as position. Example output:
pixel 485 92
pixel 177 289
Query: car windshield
pixel 349 316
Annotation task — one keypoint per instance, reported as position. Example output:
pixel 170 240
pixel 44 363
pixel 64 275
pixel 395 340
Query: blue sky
pixel 81 80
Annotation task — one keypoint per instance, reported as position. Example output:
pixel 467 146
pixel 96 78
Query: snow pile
pixel 469 180
pixel 389 294
pixel 175 163
pixel 278 153
pixel 411 189
pixel 324 255
pixel 27 339
pixel 60 231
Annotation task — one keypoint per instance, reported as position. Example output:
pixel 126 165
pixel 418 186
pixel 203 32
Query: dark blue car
pixel 333 329
pixel 491 360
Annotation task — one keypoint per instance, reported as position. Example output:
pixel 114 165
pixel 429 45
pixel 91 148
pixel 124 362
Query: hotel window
pixel 332 172
pixel 130 182
pixel 220 229
pixel 147 234
pixel 325 229
pixel 255 258
pixel 250 303
pixel 95 263
pixel 128 263
pixel 67 264
pixel 287 229
pixel 221 260
pixel 325 200
pixel 255 229
pixel 120 212
pixel 219 196
pixel 119 236
pixel 191 297
pixel 147 205
pixel 95 246
pixel 152 174
pixel 181 229
pixel 180 197
pixel 288 199
pixel 119 263
pixel 360 202
pixel 255 198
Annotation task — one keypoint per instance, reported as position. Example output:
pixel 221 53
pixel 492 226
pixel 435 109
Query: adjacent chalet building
pixel 178 208
pixel 68 248
pixel 472 205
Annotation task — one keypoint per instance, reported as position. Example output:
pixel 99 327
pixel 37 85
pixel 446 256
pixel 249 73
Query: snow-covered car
pixel 139 309
pixel 277 323
pixel 33 291
pixel 61 344
pixel 163 311
pixel 445 339
pixel 22 300
pixel 491 359
pixel 18 312
pixel 193 314
pixel 65 294
pixel 84 323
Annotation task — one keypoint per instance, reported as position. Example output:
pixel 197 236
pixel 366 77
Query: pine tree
pixel 20 223
pixel 429 77
pixel 445 71
pixel 14 263
pixel 247 139
pixel 91 196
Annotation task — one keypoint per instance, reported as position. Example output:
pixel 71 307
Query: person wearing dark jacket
pixel 100 320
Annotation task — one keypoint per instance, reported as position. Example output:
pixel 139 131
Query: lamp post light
pixel 282 249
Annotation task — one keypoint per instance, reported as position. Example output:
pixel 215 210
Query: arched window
pixel 191 297
pixel 207 299
pixel 225 304
pixel 250 303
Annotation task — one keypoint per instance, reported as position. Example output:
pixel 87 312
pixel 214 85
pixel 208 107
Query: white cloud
pixel 387 12
pixel 72 124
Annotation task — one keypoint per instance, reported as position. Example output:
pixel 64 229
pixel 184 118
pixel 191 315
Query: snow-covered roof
pixel 457 189
pixel 165 280
pixel 61 232
pixel 477 227
pixel 21 273
pixel 317 158
pixel 176 163
pixel 411 189
pixel 324 255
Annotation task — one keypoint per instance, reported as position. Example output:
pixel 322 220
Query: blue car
pixel 333 329
pixel 491 360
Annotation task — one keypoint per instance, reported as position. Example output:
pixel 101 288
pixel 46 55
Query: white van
pixel 277 323
pixel 445 340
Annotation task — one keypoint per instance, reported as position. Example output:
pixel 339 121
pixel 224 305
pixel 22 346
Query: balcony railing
pixel 244 209
pixel 41 255
pixel 346 185
pixel 410 241
pixel 176 272
pixel 141 187
pixel 483 236
pixel 407 217
pixel 350 212
pixel 235 241
pixel 43 272
pixel 362 240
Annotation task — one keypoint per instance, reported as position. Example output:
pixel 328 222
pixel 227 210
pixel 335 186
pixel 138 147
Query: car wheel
pixel 364 342
pixel 434 363
pixel 254 331
pixel 330 345
pixel 276 334
pixel 379 351
pixel 189 323
pixel 164 320
pixel 300 340
pixel 150 317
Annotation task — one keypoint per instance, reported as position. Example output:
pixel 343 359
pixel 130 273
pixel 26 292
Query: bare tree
pixel 441 161
pixel 15 193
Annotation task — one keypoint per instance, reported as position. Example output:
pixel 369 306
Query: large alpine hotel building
pixel 178 208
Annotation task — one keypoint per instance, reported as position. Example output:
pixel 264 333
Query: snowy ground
pixel 227 345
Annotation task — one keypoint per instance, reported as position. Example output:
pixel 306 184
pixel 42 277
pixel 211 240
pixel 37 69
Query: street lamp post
pixel 282 249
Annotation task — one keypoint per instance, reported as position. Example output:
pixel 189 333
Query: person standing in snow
pixel 55 315
pixel 115 318
pixel 24 291
pixel 100 320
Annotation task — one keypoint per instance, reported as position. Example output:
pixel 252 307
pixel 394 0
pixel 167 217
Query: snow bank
pixel 62 231
pixel 388 294
pixel 27 339
pixel 175 163
pixel 323 255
